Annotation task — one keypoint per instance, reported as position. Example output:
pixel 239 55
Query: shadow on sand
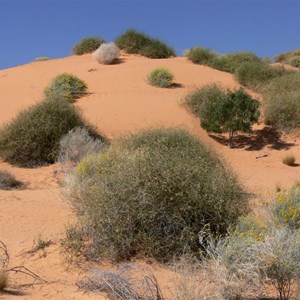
pixel 256 140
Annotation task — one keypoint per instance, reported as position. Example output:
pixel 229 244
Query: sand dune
pixel 120 101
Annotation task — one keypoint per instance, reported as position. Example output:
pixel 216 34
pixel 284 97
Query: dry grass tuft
pixel 289 160
pixel 128 282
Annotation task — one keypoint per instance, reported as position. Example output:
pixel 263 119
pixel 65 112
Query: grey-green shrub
pixel 286 56
pixel 282 102
pixel 257 74
pixel 77 144
pixel 32 137
pixel 66 86
pixel 161 77
pixel 151 193
pixel 136 42
pixel 201 56
pixel 107 54
pixel 88 45
pixel 295 61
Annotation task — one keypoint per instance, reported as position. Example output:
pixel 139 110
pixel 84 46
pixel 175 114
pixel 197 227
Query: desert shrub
pixel 66 86
pixel 78 143
pixel 285 209
pixel 221 111
pixel 231 62
pixel 282 101
pixel 88 45
pixel 41 58
pixel 227 62
pixel 8 181
pixel 289 160
pixel 256 74
pixel 200 55
pixel 136 42
pixel 286 56
pixel 151 193
pixel 107 54
pixel 157 49
pixel 161 77
pixel 32 137
pixel 295 61
pixel 262 249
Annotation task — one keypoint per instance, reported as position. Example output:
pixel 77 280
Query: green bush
pixel 256 74
pixel 282 101
pixel 201 56
pixel 161 77
pixel 231 62
pixel 32 137
pixel 151 193
pixel 295 61
pixel 136 42
pixel 221 111
pixel 66 86
pixel 88 45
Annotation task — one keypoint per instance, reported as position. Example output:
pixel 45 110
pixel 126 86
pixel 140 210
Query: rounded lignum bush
pixel 161 78
pixel 295 61
pixel 32 137
pixel 136 42
pixel 107 54
pixel 286 56
pixel 201 56
pixel 66 86
pixel 282 102
pixel 77 144
pixel 256 74
pixel 151 193
pixel 88 45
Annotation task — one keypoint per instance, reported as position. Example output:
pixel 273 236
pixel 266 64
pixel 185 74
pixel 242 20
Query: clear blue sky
pixel 51 27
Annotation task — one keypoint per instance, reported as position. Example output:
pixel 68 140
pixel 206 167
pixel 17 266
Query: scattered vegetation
pixel 66 86
pixel 287 56
pixel 226 62
pixel 5 269
pixel 282 102
pixel 295 61
pixel 32 137
pixel 221 111
pixel 8 181
pixel 136 42
pixel 88 45
pixel 107 54
pixel 256 74
pixel 161 77
pixel 151 193
pixel 77 144
pixel 41 58
pixel 263 250
pixel 128 282
pixel 289 160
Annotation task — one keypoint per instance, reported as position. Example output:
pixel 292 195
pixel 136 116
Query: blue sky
pixel 51 27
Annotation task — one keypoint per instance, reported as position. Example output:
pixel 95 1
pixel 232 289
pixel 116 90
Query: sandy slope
pixel 120 101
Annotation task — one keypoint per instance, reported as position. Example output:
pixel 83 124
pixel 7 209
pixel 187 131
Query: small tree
pixel 229 112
